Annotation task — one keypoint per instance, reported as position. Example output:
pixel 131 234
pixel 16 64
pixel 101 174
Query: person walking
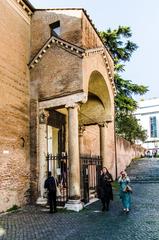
pixel 50 184
pixel 106 193
pixel 125 191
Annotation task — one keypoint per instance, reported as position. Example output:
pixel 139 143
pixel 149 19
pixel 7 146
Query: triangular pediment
pixel 67 46
pixel 75 50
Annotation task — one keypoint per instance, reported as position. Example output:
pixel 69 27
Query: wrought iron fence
pixel 90 173
pixel 57 164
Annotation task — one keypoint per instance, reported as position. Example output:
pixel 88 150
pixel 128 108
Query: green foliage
pixel 118 43
pixel 128 127
pixel 115 186
pixel 14 208
pixel 125 90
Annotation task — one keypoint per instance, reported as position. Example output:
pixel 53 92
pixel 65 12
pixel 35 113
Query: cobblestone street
pixel 141 223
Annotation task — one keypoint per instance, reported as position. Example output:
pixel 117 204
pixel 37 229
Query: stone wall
pixel 57 74
pixel 70 27
pixel 126 152
pixel 91 141
pixel 14 104
pixel 91 144
pixel 90 39
pixel 74 27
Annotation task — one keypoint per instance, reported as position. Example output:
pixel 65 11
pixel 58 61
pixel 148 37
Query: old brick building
pixel 57 98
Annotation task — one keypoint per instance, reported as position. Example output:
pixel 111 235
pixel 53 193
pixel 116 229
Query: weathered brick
pixel 14 107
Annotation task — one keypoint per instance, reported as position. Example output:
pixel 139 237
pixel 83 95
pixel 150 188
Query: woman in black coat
pixel 106 193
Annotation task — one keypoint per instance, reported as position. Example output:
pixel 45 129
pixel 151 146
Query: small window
pixel 153 127
pixel 55 28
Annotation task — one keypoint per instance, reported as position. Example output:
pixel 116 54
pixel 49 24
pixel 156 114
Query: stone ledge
pixel 74 205
pixel 41 201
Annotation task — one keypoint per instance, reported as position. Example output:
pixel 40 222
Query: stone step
pixel 148 181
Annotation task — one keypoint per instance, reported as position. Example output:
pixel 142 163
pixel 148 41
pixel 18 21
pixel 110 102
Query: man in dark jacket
pixel 50 184
pixel 106 193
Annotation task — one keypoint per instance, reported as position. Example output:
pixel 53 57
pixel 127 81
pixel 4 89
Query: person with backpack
pixel 50 184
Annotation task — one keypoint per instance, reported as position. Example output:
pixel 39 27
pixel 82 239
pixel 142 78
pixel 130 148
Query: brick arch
pixel 96 73
pixel 98 86
pixel 98 107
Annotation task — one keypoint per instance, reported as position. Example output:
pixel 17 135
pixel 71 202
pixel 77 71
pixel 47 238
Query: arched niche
pixel 98 107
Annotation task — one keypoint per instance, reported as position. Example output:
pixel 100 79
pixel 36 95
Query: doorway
pixel 57 156
pixel 90 174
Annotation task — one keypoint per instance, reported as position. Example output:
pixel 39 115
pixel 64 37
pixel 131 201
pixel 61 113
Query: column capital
pixel 43 116
pixel 72 105
pixel 103 124
pixel 82 129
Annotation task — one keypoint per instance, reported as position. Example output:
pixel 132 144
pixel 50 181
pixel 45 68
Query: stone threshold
pixel 91 201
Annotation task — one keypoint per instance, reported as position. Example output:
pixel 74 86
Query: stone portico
pixel 76 80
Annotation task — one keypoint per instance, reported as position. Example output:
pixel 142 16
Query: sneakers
pixel 126 210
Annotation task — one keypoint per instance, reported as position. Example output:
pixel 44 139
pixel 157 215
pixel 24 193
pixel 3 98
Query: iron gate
pixel 58 166
pixel 90 173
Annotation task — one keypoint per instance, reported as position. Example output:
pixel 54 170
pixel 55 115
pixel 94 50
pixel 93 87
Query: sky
pixel 142 16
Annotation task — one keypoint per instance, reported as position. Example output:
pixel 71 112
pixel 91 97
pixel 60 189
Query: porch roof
pixel 74 49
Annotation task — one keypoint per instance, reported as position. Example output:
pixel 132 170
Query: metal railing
pixel 57 164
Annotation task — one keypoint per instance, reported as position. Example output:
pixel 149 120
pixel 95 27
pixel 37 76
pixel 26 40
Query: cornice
pixel 20 10
pixel 25 7
pixel 79 52
pixel 86 15
pixel 59 42
pixel 103 52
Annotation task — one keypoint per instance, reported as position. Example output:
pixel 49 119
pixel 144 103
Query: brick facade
pixel 14 105
pixel 73 71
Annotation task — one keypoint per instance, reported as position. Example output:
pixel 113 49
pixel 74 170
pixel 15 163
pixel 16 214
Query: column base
pixel 41 201
pixel 74 205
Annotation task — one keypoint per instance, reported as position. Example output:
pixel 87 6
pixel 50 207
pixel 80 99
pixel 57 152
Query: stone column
pixel 81 131
pixel 42 152
pixel 74 202
pixel 103 151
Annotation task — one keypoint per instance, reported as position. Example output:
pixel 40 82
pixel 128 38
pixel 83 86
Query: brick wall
pixel 58 73
pixel 126 152
pixel 91 144
pixel 14 105
pixel 90 39
pixel 70 27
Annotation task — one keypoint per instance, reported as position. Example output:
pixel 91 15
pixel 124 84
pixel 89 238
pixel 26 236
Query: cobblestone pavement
pixel 35 223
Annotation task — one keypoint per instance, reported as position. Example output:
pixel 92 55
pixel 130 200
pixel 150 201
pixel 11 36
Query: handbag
pixel 127 189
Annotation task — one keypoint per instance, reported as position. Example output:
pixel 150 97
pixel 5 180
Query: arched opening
pixel 98 107
pixel 94 117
